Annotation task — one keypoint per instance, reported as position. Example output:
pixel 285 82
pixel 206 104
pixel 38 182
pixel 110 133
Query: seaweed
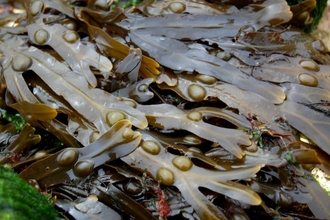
pixel 178 56
pixel 113 48
pixel 180 171
pixel 315 9
pixel 168 108
pixel 309 122
pixel 16 119
pixel 68 45
pixel 246 102
pixel 154 8
pixel 54 74
pixel 169 117
pixel 89 208
pixel 25 139
pixel 73 163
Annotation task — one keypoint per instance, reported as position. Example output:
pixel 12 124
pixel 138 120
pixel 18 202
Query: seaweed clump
pixel 311 11
pixel 164 110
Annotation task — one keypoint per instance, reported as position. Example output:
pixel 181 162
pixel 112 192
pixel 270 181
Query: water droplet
pixel 143 88
pixel 151 147
pixel 68 157
pixel 182 163
pixel 128 133
pixel 36 7
pixel 177 7
pixel 195 116
pixel 196 92
pixel 192 139
pixel 69 24
pixel 307 79
pixel 165 176
pixel 83 168
pixel 41 36
pixel 21 63
pixel 113 117
pixel 309 64
pixel 206 79
pixel 70 36
pixel 94 136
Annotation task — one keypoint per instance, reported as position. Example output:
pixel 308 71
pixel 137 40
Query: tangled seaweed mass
pixel 171 108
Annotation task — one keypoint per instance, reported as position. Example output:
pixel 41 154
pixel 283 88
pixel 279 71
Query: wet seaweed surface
pixel 168 109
